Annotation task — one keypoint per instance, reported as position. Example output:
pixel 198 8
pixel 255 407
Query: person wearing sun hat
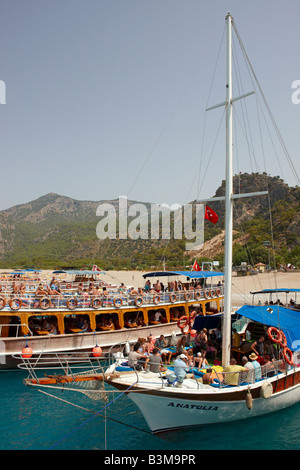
pixel 257 370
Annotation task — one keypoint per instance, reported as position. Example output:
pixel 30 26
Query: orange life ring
pixel 187 296
pixel 13 301
pixel 68 286
pixel 272 330
pixel 45 306
pixel 288 356
pixel 156 299
pixel 207 294
pixel 138 301
pixel 198 295
pixel 192 316
pixel 118 302
pixel 218 292
pixel 182 322
pixel 72 303
pixel 2 302
pixel 173 298
pixel 96 303
pixel 284 341
pixel 212 293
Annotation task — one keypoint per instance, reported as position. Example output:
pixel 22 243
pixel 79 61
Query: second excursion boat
pixel 176 400
pixel 72 322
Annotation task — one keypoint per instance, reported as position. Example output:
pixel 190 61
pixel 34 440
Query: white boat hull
pixel 167 408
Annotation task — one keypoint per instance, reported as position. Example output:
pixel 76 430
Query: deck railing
pixel 73 301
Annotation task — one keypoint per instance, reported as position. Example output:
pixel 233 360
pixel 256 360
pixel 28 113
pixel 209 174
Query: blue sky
pixel 107 97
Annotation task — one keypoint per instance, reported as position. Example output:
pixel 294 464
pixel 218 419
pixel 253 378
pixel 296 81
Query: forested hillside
pixel 56 231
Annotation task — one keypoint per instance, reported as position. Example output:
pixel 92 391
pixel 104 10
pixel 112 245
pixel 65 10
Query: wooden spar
pixel 61 379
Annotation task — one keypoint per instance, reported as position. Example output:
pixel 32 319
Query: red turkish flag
pixel 211 215
pixel 196 266
pixel 95 268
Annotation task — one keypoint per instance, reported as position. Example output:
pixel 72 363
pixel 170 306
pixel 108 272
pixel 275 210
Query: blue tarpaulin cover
pixel 284 319
pixel 189 274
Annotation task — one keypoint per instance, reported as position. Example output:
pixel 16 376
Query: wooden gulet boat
pixel 168 403
pixel 113 318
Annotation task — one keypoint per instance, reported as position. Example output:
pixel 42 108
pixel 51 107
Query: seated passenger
pixel 207 377
pixel 232 372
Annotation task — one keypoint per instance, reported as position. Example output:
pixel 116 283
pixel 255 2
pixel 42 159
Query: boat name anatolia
pixel 196 407
pixel 146 225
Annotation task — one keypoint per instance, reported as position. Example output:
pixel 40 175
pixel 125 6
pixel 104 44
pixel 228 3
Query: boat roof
pixel 272 291
pixel 79 272
pixel 282 318
pixel 188 274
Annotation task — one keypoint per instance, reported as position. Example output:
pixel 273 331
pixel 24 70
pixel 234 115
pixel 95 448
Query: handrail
pixel 18 325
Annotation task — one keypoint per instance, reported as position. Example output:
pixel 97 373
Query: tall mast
pixel 229 196
pixel 226 333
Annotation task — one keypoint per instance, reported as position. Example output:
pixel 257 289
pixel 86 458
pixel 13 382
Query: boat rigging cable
pixel 268 108
pixel 93 416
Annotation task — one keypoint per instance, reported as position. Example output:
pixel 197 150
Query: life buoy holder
pixel 187 296
pixel 156 299
pixel 182 322
pixel 43 305
pixel 2 302
pixel 138 301
pixel 288 356
pixel 173 298
pixel 118 302
pixel 274 331
pixel 13 302
pixel 72 303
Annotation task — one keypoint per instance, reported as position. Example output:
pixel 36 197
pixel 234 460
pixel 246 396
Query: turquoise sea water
pixel 31 420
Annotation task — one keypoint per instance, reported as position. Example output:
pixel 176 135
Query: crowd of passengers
pixel 154 355
pixel 54 293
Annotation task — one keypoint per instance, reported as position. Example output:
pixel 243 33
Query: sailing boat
pixel 164 404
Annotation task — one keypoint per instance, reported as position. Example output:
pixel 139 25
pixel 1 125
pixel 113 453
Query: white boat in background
pixel 169 403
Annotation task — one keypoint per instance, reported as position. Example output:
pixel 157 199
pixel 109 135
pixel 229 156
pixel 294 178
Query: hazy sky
pixel 98 90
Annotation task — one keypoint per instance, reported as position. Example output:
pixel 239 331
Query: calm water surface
pixel 31 420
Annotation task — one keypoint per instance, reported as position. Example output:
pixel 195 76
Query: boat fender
pixel 173 339
pixel 266 390
pixel 249 399
pixel 127 348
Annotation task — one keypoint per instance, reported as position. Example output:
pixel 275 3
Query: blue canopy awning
pixel 210 321
pixel 187 274
pixel 284 319
pixel 273 291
